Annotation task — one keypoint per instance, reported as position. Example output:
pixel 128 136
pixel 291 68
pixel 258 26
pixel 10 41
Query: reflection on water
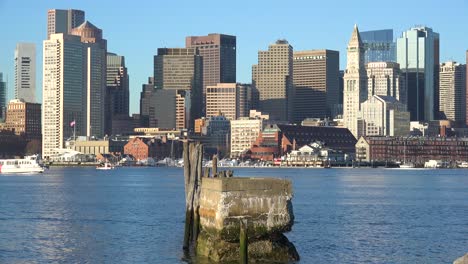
pixel 135 215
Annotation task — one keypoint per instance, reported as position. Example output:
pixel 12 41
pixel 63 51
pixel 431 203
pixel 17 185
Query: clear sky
pixel 136 28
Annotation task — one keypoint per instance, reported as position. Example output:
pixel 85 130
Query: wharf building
pixel 273 78
pixel 453 92
pixel 214 133
pixel 218 52
pixel 244 132
pixel 416 150
pixel 25 72
pixel 316 84
pixel 233 100
pixel 117 95
pixel 418 56
pixel 181 69
pixel 24 118
pixel 378 46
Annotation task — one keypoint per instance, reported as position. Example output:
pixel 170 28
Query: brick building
pixel 157 148
pixel 24 118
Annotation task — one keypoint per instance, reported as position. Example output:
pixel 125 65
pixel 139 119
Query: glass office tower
pixel 378 46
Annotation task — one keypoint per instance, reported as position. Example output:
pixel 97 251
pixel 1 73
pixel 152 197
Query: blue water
pixel 136 215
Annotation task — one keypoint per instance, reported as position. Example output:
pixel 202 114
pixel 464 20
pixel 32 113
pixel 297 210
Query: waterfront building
pixel 418 56
pixel 3 96
pixel 267 146
pixel 219 58
pixel 96 147
pixel 316 83
pixel 466 98
pixel 355 82
pixel 214 135
pixel 181 69
pixel 25 72
pixel 244 132
pixel 63 21
pixel 95 50
pixel 452 97
pixel 142 148
pixel 64 93
pixel 378 46
pixel 117 92
pixel 272 77
pixel 383 116
pixel 415 150
pixel 386 79
pixel 24 118
pixel 233 100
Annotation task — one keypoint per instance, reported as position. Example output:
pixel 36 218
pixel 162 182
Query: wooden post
pixel 196 198
pixel 188 214
pixel 243 242
pixel 215 165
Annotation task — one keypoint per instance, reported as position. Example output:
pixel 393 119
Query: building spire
pixel 355 37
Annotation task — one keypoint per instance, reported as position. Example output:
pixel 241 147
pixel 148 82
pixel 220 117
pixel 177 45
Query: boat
pixel 435 164
pixel 29 164
pixel 407 166
pixel 463 165
pixel 106 166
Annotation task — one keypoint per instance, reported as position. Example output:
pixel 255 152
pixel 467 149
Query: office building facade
pixel 232 100
pixel 219 58
pixel 466 98
pixel 418 56
pixel 64 93
pixel 25 72
pixel 378 46
pixel 452 98
pixel 63 21
pixel 386 79
pixel 316 83
pixel 95 48
pixel 244 132
pixel 355 82
pixel 117 91
pixel 24 118
pixel 181 69
pixel 383 116
pixel 273 78
pixel 3 96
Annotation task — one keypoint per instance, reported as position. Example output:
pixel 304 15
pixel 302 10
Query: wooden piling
pixel 243 242
pixel 215 165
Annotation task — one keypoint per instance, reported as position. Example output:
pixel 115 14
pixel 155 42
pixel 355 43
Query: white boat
pixel 463 165
pixel 30 164
pixel 106 166
pixel 407 166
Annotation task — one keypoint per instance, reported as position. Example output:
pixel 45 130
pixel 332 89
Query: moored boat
pixel 29 164
pixel 106 166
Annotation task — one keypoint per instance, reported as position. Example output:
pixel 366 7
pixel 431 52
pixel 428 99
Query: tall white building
pixel 25 72
pixel 355 82
pixel 63 21
pixel 386 79
pixel 244 132
pixel 64 93
pixel 452 104
pixel 383 116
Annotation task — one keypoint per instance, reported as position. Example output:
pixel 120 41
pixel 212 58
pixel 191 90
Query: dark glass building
pixel 378 46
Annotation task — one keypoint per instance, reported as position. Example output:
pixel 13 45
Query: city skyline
pixel 252 35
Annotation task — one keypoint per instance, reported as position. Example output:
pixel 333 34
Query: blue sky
pixel 136 29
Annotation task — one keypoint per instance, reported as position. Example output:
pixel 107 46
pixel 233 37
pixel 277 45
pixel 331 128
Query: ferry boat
pixel 106 166
pixel 30 164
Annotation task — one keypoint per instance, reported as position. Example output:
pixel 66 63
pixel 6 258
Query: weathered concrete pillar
pixel 462 260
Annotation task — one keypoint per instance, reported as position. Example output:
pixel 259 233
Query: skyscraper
pixel 273 78
pixel 117 90
pixel 355 82
pixel 418 56
pixel 378 46
pixel 64 93
pixel 24 118
pixel 453 91
pixel 63 21
pixel 219 57
pixel 181 69
pixel 3 96
pixel 466 98
pixel 386 79
pixel 25 72
pixel 316 83
pixel 95 63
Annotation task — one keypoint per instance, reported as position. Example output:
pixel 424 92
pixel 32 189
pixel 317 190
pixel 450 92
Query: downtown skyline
pixel 129 32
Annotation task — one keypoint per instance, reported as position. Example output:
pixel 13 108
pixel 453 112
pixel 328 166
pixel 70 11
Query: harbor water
pixel 136 215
